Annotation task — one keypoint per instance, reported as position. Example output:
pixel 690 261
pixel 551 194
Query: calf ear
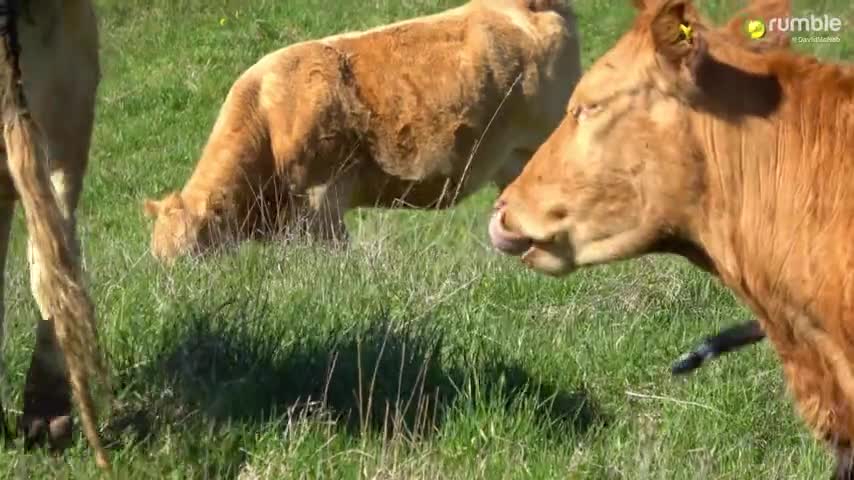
pixel 151 208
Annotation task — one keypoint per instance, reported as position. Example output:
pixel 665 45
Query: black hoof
pixel 55 431
pixel 47 414
pixel 35 432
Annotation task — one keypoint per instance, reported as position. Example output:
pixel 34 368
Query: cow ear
pixel 678 37
pixel 675 29
pixel 154 208
pixel 151 208
pixel 543 5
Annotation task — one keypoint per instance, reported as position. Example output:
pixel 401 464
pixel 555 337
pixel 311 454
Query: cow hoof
pixel 55 431
pixel 35 431
pixel 59 433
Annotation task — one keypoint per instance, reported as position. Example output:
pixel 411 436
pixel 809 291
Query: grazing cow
pixel 48 80
pixel 419 114
pixel 680 140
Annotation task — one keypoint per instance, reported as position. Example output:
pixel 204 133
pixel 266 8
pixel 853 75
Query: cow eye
pixel 584 111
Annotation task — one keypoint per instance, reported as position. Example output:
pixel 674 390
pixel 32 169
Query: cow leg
pixel 328 204
pixel 844 464
pixel 47 392
pixel 7 208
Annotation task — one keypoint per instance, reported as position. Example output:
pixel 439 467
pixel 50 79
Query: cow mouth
pixel 512 243
pixel 551 255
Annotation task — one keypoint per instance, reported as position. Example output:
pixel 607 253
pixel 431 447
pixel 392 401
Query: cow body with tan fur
pixel 739 160
pixel 420 114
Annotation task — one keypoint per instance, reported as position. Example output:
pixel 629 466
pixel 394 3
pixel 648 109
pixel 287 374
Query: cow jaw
pixel 568 246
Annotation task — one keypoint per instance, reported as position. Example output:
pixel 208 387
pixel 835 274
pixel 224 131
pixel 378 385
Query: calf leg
pixel 47 392
pixel 7 208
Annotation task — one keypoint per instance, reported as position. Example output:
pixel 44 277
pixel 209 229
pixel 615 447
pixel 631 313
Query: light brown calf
pixel 741 161
pixel 51 47
pixel 419 113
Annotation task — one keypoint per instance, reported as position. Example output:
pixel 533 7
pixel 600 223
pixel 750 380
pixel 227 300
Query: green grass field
pixel 419 352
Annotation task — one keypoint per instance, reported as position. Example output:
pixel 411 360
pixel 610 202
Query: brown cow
pixel 49 74
pixel 740 161
pixel 419 113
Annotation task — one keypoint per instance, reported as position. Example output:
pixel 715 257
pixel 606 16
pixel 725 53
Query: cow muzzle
pixel 504 240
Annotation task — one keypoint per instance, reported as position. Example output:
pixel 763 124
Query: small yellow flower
pixel 222 21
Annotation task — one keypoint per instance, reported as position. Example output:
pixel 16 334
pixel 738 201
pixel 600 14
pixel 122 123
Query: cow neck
pixel 778 212
pixel 209 186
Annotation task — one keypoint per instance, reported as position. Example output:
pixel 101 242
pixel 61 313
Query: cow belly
pixel 442 182
pixel 382 190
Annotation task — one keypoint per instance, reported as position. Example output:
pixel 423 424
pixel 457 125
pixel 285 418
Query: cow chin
pixel 564 253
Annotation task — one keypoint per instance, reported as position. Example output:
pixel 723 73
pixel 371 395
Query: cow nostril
pixel 557 213
pixel 499 204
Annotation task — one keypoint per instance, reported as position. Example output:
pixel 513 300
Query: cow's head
pixel 177 231
pixel 625 172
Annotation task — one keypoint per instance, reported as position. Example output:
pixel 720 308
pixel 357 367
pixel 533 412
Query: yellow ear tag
pixel 686 31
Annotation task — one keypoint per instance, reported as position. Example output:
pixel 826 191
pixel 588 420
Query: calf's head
pixel 177 231
pixel 625 172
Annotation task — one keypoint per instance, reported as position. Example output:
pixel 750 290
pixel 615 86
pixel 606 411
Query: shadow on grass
pixel 386 378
